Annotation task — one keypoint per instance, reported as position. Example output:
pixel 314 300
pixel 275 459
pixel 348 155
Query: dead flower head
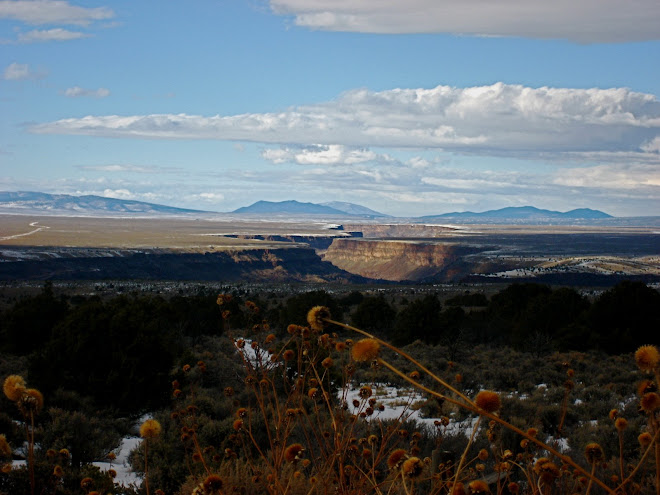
pixel 365 350
pixel 150 429
pixel 316 317
pixel 488 401
pixel 294 452
pixel 647 357
pixel 14 387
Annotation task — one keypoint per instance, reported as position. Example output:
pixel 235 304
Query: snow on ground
pixel 404 404
pixel 124 474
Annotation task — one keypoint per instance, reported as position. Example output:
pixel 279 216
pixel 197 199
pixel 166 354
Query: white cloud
pixel 51 12
pixel 638 177
pixel 21 72
pixel 322 155
pixel 583 21
pixel 56 34
pixel 209 197
pixel 77 91
pixel 497 120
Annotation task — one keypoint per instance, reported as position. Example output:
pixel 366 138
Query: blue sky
pixel 410 108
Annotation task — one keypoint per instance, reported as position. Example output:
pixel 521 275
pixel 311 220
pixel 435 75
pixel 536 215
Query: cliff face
pixel 255 265
pixel 400 260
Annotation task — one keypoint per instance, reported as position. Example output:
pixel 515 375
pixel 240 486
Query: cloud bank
pixel 496 120
pixel 52 12
pixel 584 21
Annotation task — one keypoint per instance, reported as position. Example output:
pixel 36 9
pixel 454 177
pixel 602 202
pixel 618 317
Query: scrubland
pixel 240 401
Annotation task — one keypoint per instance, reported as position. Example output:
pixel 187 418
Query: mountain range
pixel 523 213
pixel 333 208
pixel 37 202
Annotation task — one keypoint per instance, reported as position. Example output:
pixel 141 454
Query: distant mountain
pixel 528 213
pixel 353 209
pixel 36 202
pixel 293 207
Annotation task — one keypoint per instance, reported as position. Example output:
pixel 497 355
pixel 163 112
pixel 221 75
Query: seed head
pixel 646 386
pixel 288 355
pixel 620 424
pixel 478 486
pixel 150 429
pixel 396 458
pixel 650 402
pixel 593 452
pixel 316 317
pixel 212 484
pixel 647 357
pixel 365 350
pixel 293 452
pixel 32 401
pixel 412 467
pixel 488 401
pixel 14 387
pixel 645 439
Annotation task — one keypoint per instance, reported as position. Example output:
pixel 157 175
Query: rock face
pixel 400 260
pixel 300 264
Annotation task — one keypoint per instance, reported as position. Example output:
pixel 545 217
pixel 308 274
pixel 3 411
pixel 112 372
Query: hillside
pixel 36 202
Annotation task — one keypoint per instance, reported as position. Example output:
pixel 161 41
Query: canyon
pixel 398 260
pixel 312 250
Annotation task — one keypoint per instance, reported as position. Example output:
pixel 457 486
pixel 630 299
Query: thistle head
pixel 365 350
pixel 488 401
pixel 316 318
pixel 14 387
pixel 647 357
pixel 150 429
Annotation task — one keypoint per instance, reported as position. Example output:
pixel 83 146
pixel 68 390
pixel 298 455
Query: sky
pixel 410 108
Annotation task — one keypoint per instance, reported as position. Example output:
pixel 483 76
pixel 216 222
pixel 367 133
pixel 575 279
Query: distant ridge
pixel 36 202
pixel 290 207
pixel 528 213
pixel 353 209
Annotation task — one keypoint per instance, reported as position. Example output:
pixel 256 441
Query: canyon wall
pixel 401 260
pixel 299 264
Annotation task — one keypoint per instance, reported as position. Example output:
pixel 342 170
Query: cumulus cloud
pixel 77 91
pixel 322 155
pixel 497 120
pixel 52 12
pixel 208 197
pixel 638 177
pixel 21 72
pixel 56 34
pixel 585 21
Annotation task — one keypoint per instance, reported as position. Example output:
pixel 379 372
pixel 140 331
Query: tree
pixel 374 314
pixel 419 320
pixel 625 317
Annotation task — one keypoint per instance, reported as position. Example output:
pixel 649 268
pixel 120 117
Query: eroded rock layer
pixel 400 260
